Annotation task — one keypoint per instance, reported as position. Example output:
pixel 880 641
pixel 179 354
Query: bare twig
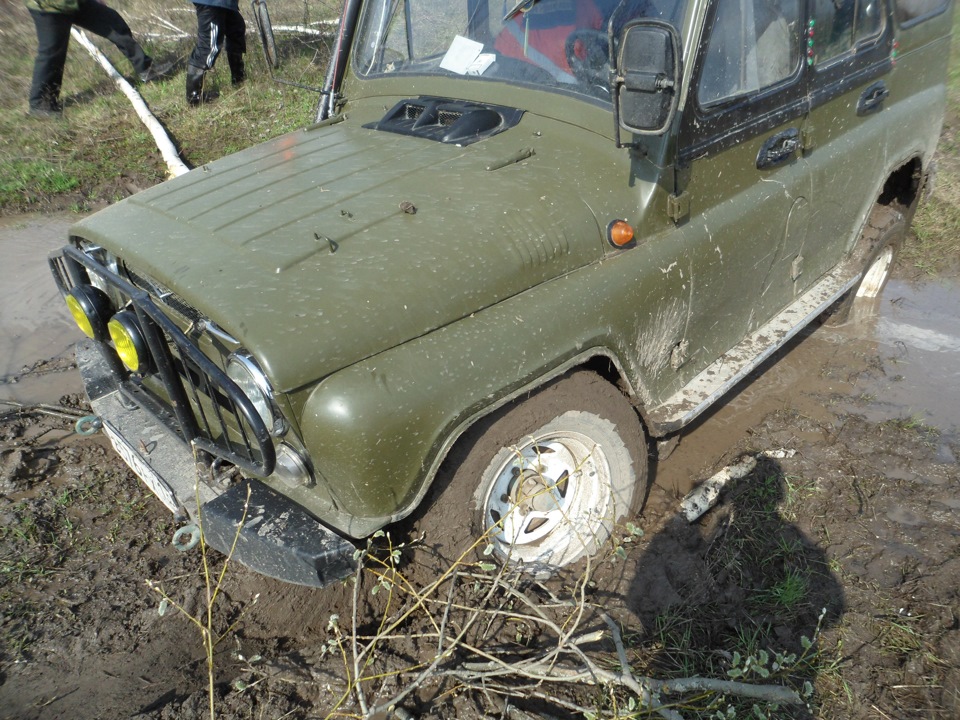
pixel 470 653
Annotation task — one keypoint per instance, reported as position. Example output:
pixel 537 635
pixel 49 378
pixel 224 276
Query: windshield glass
pixel 558 45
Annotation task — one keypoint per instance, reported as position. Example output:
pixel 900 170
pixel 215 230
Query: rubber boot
pixel 195 93
pixel 238 73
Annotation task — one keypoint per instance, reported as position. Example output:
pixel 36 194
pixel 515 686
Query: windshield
pixel 558 45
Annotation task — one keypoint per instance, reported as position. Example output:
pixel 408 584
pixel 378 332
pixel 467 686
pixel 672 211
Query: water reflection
pixel 916 331
pixel 34 323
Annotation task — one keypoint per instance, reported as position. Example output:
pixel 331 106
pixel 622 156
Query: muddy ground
pixel 860 516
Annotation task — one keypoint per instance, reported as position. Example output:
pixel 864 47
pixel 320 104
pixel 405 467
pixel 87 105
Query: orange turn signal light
pixel 620 233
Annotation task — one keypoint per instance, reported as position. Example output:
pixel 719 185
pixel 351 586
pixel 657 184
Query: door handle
pixel 871 99
pixel 778 149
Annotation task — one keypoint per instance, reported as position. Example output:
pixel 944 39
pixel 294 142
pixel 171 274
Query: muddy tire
pixel 546 479
pixel 880 244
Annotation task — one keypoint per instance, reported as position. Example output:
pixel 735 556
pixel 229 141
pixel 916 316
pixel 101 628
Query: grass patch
pixel 763 622
pixel 790 591
pixel 100 152
pixel 936 227
pixel 899 635
pixel 19 177
pixel 913 425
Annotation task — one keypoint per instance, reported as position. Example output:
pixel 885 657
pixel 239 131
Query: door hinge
pixel 806 141
pixel 678 206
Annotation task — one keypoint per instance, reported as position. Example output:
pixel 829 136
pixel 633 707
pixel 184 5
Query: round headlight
pixel 105 258
pixel 90 309
pixel 252 382
pixel 129 341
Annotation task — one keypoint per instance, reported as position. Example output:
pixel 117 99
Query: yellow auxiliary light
pixel 90 308
pixel 129 341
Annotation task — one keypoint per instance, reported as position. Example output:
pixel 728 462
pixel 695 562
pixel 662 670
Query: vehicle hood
pixel 328 245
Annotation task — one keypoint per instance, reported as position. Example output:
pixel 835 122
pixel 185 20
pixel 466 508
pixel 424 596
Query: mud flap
pixel 278 539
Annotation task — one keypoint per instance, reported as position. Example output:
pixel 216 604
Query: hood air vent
pixel 447 121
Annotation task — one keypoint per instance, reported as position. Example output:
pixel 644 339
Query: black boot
pixel 195 93
pixel 238 73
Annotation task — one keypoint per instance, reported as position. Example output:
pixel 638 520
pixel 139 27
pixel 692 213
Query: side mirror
pixel 647 77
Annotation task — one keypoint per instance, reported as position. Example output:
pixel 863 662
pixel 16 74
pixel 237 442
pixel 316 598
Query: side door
pixel 741 171
pixel 850 54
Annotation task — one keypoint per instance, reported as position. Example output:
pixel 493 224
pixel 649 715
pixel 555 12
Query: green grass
pixel 790 591
pixel 22 176
pixel 100 152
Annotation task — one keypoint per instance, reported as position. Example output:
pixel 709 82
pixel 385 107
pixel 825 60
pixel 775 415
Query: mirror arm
pixel 646 82
pixel 615 81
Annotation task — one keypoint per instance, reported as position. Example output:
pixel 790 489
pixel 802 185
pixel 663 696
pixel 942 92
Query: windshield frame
pixel 393 41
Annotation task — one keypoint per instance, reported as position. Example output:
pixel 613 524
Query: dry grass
pixel 937 224
pixel 933 247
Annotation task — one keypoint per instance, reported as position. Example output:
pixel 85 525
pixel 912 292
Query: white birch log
pixel 170 155
pixel 704 496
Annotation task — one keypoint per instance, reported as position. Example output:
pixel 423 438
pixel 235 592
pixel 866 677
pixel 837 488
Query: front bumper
pixel 278 538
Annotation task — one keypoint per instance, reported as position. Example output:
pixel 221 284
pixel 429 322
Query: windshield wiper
pixel 521 6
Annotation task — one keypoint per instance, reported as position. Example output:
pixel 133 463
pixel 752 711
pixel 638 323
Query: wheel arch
pixel 380 431
pixel 901 190
pixel 905 185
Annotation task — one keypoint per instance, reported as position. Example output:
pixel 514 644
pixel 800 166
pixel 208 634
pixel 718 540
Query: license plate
pixel 139 466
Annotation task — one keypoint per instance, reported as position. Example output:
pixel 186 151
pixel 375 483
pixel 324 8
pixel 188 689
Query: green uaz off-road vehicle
pixel 521 241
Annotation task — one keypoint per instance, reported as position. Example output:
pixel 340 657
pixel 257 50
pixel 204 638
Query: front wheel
pixel 551 475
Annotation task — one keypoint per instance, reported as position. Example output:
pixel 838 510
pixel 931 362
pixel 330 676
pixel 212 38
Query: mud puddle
pixel 897 362
pixel 917 332
pixel 36 330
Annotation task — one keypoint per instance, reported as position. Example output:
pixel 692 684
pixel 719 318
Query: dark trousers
pixel 214 26
pixel 53 37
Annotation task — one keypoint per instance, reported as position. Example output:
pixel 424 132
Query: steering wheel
pixel 587 51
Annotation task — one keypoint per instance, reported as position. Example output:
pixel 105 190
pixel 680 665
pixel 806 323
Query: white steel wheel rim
pixel 548 497
pixel 876 275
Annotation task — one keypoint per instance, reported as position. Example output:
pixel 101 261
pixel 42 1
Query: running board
pixel 735 364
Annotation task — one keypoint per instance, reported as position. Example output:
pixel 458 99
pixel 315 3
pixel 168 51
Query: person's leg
pixel 108 23
pixel 209 37
pixel 53 39
pixel 235 31
pixel 204 55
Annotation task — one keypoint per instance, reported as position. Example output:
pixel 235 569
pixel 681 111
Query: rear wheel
pixel 548 477
pixel 881 241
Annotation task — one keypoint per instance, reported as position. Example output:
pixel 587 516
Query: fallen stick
pixel 163 21
pixel 170 155
pixel 704 496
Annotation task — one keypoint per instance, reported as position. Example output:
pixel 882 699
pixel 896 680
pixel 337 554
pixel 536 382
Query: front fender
pixel 378 430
